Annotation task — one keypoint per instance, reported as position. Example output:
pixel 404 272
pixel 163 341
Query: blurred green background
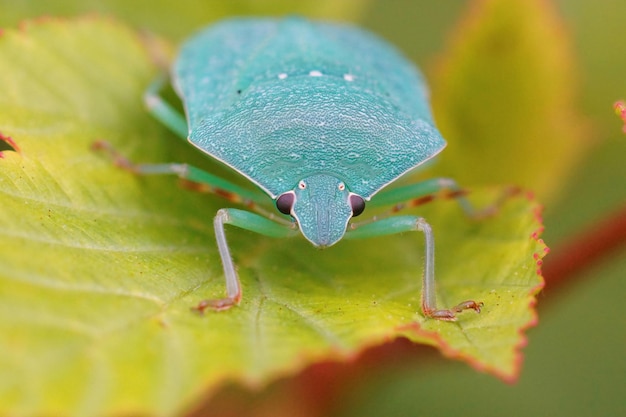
pixel 575 363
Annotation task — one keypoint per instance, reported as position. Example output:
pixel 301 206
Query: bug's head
pixel 322 205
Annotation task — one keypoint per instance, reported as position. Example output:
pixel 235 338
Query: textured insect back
pixel 299 96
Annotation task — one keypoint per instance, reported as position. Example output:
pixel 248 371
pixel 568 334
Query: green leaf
pixel 99 268
pixel 505 98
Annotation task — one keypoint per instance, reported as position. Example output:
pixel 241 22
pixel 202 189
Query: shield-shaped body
pixel 279 100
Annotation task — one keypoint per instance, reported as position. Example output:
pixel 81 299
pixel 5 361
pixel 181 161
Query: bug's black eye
pixel 357 204
pixel 285 201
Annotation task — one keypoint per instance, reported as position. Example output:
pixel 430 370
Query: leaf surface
pixel 99 268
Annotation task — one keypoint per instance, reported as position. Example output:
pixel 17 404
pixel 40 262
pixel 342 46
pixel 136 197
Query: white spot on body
pixel 282 76
pixel 348 77
pixel 315 73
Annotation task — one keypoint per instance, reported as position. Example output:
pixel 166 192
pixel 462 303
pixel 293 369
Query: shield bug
pixel 321 117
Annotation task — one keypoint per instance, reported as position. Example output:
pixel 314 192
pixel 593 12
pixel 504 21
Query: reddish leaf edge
pixel 8 144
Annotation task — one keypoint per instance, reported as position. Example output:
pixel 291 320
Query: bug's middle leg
pixel 192 178
pixel 426 191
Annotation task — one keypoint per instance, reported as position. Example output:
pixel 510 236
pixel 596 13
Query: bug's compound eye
pixel 302 185
pixel 357 204
pixel 285 201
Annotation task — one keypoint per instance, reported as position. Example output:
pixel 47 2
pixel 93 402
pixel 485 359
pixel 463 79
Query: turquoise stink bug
pixel 321 117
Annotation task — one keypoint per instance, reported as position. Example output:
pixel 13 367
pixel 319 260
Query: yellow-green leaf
pixel 99 268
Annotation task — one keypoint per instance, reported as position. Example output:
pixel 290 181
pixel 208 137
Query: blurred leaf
pixel 504 97
pixel 178 19
pixel 99 269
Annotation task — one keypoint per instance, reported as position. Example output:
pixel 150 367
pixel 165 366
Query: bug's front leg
pixel 400 224
pixel 233 286
pixel 244 220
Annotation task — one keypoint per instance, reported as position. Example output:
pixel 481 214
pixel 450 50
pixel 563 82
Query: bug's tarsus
pixel 450 314
pixel 216 305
